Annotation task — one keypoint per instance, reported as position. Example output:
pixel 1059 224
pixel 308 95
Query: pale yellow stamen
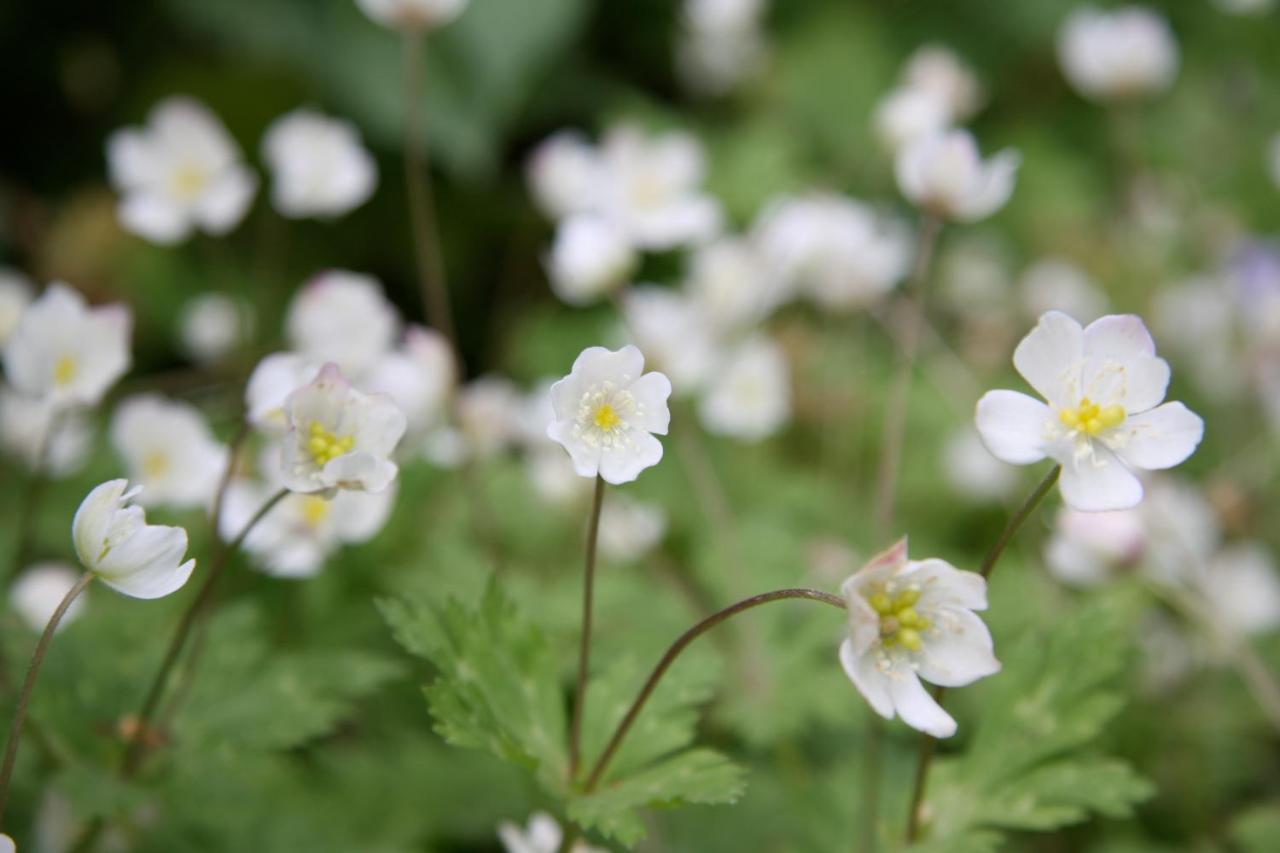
pixel 64 370
pixel 1090 418
pixel 900 624
pixel 188 181
pixel 324 446
pixel 605 417
pixel 314 510
pixel 155 465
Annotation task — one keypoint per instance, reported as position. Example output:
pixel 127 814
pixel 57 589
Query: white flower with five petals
pixel 945 174
pixel 345 317
pixel 114 541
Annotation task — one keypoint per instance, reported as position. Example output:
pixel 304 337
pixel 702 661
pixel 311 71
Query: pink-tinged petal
pixel 1122 337
pixel 1160 438
pixel 624 464
pixel 1098 482
pixel 963 652
pixel 871 683
pixel 878 570
pixel 1049 358
pixel 651 392
pixel 1136 384
pixel 1012 426
pixel 916 707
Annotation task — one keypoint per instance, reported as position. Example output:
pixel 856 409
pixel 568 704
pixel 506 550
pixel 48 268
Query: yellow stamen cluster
pixel 324 446
pixel 606 417
pixel 64 370
pixel 1090 418
pixel 188 181
pixel 900 624
pixel 314 510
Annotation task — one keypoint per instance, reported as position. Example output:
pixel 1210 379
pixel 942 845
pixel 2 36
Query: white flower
pixel 1104 385
pixel 1183 532
pixel 318 164
pixel 729 283
pixel 564 173
pixel 591 256
pixel 945 175
pixel 673 334
pixel 212 325
pixel 1125 53
pixel 168 450
pixel 412 15
pixel 911 620
pixel 750 396
pixel 1197 318
pixel 7 844
pixel 24 432
pixel 419 376
pixel 40 589
pixel 114 541
pixel 906 114
pixel 971 471
pixel 629 528
pixel 272 381
pixel 606 413
pixel 721 44
pixel 16 294
pixel 1242 587
pixel 344 317
pixel 937 70
pixel 182 171
pixel 66 352
pixel 339 438
pixel 552 477
pixel 1087 548
pixel 490 414
pixel 542 836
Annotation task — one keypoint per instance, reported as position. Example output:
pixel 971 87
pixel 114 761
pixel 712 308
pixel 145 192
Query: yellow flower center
pixel 900 624
pixel 1090 418
pixel 314 510
pixel 64 370
pixel 324 446
pixel 155 465
pixel 606 417
pixel 188 181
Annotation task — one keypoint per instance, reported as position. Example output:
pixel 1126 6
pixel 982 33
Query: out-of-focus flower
pixel 490 413
pixel 564 174
pixel 1086 548
pixel 169 451
pixel 66 352
pixel 543 835
pixel 1104 386
pixel 7 844
pixel 673 334
pixel 607 411
pixel 272 381
pixel 750 397
pixel 25 424
pixel 730 284
pixel 1057 285
pixel 212 325
pixel 1253 271
pixel 420 375
pixel 972 472
pixel 1242 586
pixel 906 114
pixel 939 71
pixel 839 251
pixel 945 175
pixel 343 317
pixel 40 589
pixel 629 528
pixel 1112 55
pixel 180 172
pixel 911 620
pixel 1197 318
pixel 589 258
pixel 975 277
pixel 16 294
pixel 339 438
pixel 552 477
pixel 1183 532
pixel 721 44
pixel 319 166
pixel 114 541
pixel 412 15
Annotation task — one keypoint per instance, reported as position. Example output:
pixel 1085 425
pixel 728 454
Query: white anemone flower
pixel 1103 418
pixel 16 294
pixel 412 15
pixel 25 424
pixel 40 589
pixel 911 620
pixel 213 325
pixel 607 411
pixel 66 352
pixel 1088 548
pixel 907 114
pixel 169 451
pixel 945 175
pixel 114 541
pixel 420 375
pixel 673 333
pixel 319 166
pixel 274 378
pixel 339 438
pixel 543 835
pixel 1120 54
pixel 729 283
pixel 750 397
pixel 629 529
pixel 180 172
pixel 591 257
pixel 344 317
pixel 564 174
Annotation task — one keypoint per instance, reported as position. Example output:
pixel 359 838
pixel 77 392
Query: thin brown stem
pixel 584 643
pixel 681 643
pixel 29 683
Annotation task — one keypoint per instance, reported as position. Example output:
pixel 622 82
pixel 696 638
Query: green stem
pixel 584 643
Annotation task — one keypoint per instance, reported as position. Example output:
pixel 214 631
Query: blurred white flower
pixel 975 277
pixel 730 284
pixel 1104 386
pixel 911 620
pixel 945 175
pixel 749 398
pixel 537 413
pixel 906 114
pixel 272 381
pixel 339 438
pixel 972 472
pixel 66 352
pixel 16 294
pixel 543 835
pixel 40 589
pixel 1183 532
pixel 1087 548
pixel 672 332
pixel 607 411
pixel 1057 285
pixel 1124 53
pixel 180 172
pixel 169 451
pixel 552 477
pixel 412 15
pixel 319 166
pixel 25 423
pixel 590 257
pixel 720 44
pixel 420 376
pixel 490 415
pixel 1242 587
pixel 837 250
pixel 1197 318
pixel 114 541
pixel 7 844
pixel 445 447
pixel 344 317
pixel 1253 272
pixel 939 71
pixel 629 529
pixel 213 325
pixel 564 173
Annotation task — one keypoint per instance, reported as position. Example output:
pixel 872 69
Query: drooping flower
pixel 180 172
pixel 65 352
pixel 945 175
pixel 25 425
pixel 607 411
pixel 1103 418
pixel 169 451
pixel 629 529
pixel 1128 52
pixel 344 317
pixel 16 294
pixel 589 258
pixel 338 437
pixel 672 332
pixel 40 589
pixel 213 325
pixel 114 541
pixel 911 620
pixel 543 835
pixel 750 397
pixel 412 15
pixel 318 164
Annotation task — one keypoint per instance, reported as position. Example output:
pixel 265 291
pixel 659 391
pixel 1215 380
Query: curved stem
pixel 681 643
pixel 134 749
pixel 584 644
pixel 924 758
pixel 20 714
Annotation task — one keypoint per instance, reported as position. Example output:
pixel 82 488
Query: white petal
pixel 621 367
pixel 1123 337
pixel 153 217
pixel 1049 358
pixel 961 654
pixel 872 684
pixel 943 585
pixel 1136 384
pixel 131 159
pixel 153 582
pixel 994 188
pixel 146 565
pixel 363 471
pixel 93 519
pixel 586 459
pixel 652 391
pixel 1098 481
pixel 223 205
pixel 624 464
pixel 917 708
pixel 1160 438
pixel 1012 426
